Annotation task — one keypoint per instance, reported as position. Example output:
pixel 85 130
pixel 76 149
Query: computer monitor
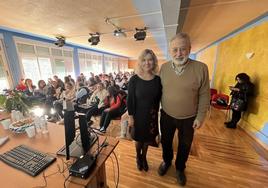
pixel 76 147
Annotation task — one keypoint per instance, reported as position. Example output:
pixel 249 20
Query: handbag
pixel 238 104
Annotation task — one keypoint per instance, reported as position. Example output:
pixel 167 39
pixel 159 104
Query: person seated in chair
pixel 67 95
pixel 95 103
pixel 114 109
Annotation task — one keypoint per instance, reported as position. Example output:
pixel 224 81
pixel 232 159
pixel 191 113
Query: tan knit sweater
pixel 186 95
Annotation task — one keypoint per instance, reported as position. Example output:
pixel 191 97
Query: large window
pixel 115 64
pixel 90 62
pixel 42 61
pixel 5 79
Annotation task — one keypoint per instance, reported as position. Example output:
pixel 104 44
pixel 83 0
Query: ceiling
pixel 76 19
pixel 205 20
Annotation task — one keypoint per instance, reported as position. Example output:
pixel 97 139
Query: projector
pixel 140 35
pixel 60 42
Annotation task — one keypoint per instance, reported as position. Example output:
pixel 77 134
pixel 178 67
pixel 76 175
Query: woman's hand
pixel 234 88
pixel 130 121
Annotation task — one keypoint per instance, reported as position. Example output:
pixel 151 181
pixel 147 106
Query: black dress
pixel 143 103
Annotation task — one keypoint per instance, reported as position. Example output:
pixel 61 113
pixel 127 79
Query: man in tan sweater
pixel 185 101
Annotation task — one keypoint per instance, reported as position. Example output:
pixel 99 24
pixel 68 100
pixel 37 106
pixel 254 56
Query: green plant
pixel 14 101
pixel 3 99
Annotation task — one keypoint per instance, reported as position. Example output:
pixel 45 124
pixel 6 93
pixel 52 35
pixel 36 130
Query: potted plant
pixel 13 100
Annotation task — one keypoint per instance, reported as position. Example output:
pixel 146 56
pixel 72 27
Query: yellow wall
pixel 208 56
pixel 232 60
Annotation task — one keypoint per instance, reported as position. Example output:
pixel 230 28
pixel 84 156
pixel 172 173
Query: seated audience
pixel 67 95
pixel 96 103
pixel 115 108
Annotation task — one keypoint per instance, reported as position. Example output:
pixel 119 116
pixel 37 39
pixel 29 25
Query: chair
pixel 214 104
pixel 212 92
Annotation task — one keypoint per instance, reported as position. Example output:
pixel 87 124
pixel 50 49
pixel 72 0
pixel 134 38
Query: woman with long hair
pixel 144 94
pixel 114 108
pixel 241 91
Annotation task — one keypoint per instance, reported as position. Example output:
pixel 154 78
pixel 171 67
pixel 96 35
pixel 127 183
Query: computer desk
pixel 51 143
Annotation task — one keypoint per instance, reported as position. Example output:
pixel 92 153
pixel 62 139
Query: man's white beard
pixel 180 61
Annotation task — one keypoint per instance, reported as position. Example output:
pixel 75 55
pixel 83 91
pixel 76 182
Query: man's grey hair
pixel 181 36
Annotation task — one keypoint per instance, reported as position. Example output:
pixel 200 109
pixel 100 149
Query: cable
pixel 117 163
pixel 65 181
pixel 113 170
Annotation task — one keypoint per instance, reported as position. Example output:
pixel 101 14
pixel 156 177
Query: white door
pixel 5 77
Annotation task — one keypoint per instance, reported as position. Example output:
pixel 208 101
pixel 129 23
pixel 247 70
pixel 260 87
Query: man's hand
pixel 197 124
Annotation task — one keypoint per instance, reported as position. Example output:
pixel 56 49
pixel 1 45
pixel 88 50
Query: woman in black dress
pixel 144 94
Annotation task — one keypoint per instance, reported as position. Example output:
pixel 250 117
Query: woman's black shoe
pixel 231 126
pixel 145 165
pixel 139 163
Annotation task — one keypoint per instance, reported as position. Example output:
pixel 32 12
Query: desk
pixel 51 143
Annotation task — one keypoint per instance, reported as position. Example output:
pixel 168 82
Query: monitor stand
pixel 76 149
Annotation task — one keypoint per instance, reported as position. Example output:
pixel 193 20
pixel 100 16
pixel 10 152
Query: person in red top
pixel 114 108
pixel 21 86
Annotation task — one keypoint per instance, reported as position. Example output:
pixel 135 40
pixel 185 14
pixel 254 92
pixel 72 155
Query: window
pixel 3 78
pixel 31 68
pixel 42 61
pixel 90 62
pixel 59 68
pixel 45 67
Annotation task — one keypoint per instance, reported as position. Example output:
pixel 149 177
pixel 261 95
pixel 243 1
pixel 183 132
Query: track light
pixel 94 38
pixel 140 34
pixel 60 42
pixel 119 33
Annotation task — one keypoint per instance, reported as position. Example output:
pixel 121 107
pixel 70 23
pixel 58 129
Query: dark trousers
pixel 94 111
pixel 236 116
pixel 106 117
pixel 185 135
pixel 58 108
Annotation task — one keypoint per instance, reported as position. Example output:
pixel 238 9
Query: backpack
pixel 83 99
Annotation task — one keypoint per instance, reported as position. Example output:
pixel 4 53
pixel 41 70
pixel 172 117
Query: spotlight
pixel 140 34
pixel 119 33
pixel 60 42
pixel 94 38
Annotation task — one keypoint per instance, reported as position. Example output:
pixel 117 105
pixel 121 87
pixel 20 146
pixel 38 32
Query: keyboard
pixel 27 159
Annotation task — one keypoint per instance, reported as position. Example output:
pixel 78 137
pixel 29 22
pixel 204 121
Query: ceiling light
pixel 140 34
pixel 60 42
pixel 94 38
pixel 119 33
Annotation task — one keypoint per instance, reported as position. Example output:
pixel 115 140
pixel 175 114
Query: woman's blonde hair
pixel 145 52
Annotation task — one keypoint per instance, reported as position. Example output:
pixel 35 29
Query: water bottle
pixel 13 115
pixel 37 124
pixel 44 125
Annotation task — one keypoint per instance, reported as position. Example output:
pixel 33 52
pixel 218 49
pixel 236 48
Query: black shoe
pixel 102 130
pixel 145 165
pixel 163 168
pixel 181 178
pixel 139 163
pixel 231 126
